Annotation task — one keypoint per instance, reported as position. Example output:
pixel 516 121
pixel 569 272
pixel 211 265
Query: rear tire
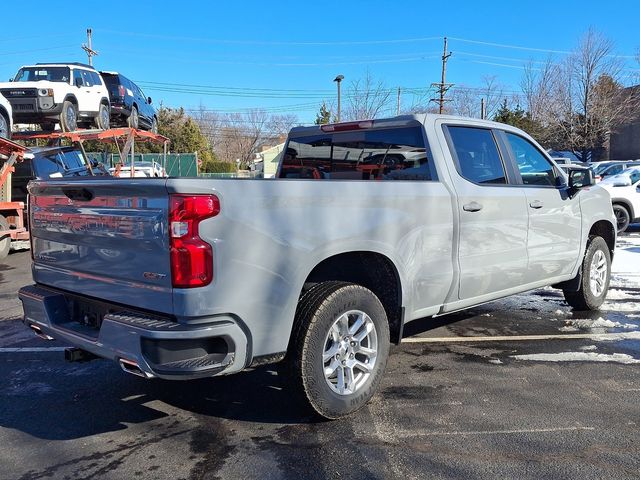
pixel 48 127
pixel 134 119
pixel 596 273
pixel 68 117
pixel 623 217
pixel 339 348
pixel 5 241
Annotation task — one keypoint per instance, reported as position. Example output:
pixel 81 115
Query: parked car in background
pixel 6 117
pixel 129 105
pixel 71 94
pixel 625 196
pixel 141 169
pixel 610 168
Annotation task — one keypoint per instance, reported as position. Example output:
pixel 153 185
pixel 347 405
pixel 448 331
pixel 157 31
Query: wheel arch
pixel 71 98
pixel 372 270
pixel 625 203
pixel 607 231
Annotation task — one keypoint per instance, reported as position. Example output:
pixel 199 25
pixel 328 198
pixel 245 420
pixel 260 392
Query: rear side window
pixel 534 167
pixel 370 154
pixel 477 155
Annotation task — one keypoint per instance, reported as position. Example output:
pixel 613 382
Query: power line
pixel 263 42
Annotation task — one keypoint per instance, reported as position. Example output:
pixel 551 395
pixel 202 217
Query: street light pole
pixel 338 79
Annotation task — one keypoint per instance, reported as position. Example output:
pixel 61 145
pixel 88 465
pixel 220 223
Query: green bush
pixel 210 166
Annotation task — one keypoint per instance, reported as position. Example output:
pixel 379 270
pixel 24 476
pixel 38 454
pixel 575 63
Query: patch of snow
pixel 599 324
pixel 560 312
pixel 587 348
pixel 568 328
pixel 617 336
pixel 616 294
pixel 495 361
pixel 579 357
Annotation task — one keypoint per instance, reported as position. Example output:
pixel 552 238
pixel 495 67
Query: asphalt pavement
pixel 518 388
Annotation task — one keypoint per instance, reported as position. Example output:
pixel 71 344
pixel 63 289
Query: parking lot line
pixel 519 338
pixel 32 349
pixel 500 432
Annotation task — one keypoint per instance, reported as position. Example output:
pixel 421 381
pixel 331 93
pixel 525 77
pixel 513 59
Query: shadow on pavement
pixel 57 401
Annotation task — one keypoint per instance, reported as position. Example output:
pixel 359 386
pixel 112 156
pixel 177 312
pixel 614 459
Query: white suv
pixel 6 119
pixel 71 94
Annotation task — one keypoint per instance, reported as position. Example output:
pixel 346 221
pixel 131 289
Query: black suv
pixel 129 106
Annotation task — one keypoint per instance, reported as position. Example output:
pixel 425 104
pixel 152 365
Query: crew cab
pixel 369 225
pixel 6 117
pixel 71 94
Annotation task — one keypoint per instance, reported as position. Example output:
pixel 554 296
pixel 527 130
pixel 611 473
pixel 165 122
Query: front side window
pixel 534 167
pixel 77 78
pixel 367 154
pixel 477 155
pixel 50 74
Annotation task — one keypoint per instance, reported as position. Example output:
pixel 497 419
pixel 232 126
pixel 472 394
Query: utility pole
pixel 398 109
pixel 483 109
pixel 87 47
pixel 338 80
pixel 443 86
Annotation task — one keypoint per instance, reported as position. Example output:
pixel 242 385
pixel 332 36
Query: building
pixel 624 142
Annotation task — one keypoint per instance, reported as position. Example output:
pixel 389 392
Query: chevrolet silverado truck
pixel 369 225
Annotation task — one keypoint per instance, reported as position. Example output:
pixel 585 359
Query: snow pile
pixel 579 357
pixel 626 263
pixel 595 326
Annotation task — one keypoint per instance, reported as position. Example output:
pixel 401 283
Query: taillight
pixel 191 257
pixel 121 91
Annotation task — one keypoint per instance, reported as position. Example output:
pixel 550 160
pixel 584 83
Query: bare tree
pixel 366 98
pixel 591 98
pixel 235 137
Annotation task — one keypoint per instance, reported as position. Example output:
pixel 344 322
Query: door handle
pixel 472 207
pixel 536 204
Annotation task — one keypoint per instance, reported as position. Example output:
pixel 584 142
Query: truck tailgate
pixel 103 238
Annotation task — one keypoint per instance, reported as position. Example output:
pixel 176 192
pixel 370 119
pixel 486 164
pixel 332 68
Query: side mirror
pixel 77 82
pixel 580 178
pixel 11 79
pixel 149 100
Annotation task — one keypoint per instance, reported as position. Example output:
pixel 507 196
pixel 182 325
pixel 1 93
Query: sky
pixel 283 56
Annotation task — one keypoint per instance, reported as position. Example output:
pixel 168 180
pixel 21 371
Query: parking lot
pixel 518 388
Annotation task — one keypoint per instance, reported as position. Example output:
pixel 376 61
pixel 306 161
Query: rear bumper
pixel 158 347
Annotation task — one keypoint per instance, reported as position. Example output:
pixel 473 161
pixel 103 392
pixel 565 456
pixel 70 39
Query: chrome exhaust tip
pixel 132 367
pixel 38 331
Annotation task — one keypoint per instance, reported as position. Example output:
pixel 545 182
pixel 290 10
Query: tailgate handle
pixel 81 194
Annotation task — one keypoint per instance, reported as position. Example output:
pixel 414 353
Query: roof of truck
pixel 398 121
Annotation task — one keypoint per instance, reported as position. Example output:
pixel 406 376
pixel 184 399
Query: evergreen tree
pixel 323 116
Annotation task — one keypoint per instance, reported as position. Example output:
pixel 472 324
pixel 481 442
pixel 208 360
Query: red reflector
pixel 121 90
pixel 342 127
pixel 191 257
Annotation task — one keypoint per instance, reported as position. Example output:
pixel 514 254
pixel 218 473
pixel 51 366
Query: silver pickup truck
pixel 369 225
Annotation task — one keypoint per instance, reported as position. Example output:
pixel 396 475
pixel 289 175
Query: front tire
pixel 68 117
pixel 623 217
pixel 5 129
pixel 102 120
pixel 339 348
pixel 5 241
pixel 596 273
